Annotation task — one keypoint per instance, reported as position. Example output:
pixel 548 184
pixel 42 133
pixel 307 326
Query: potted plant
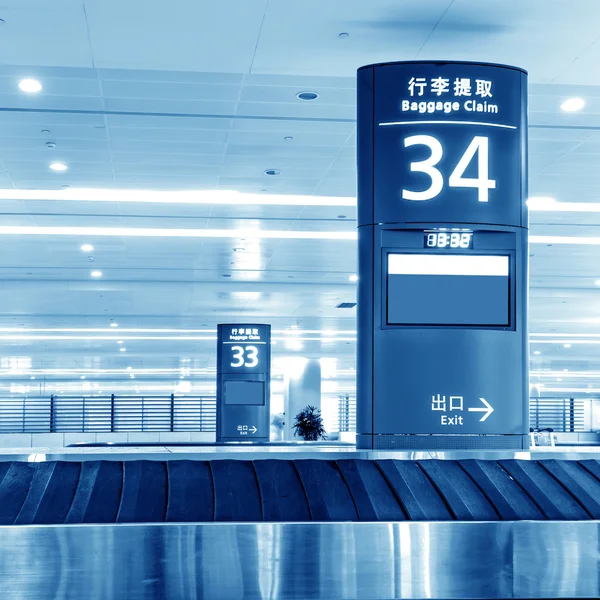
pixel 309 425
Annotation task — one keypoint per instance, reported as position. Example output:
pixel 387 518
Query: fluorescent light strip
pixel 572 374
pixel 223 197
pixel 447 264
pixel 582 335
pixel 326 332
pixel 565 341
pixel 181 338
pixel 236 233
pixel 553 390
pixel 558 239
pixel 235 198
pixel 177 233
pixel 540 204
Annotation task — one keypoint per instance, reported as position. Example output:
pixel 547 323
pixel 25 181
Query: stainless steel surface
pixel 313 560
pixel 556 560
pixel 249 452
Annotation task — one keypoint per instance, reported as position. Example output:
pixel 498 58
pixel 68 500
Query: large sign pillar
pixel 243 383
pixel 443 255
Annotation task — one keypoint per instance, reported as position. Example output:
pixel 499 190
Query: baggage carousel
pixel 296 526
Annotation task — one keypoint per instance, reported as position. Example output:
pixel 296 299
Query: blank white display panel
pixel 447 289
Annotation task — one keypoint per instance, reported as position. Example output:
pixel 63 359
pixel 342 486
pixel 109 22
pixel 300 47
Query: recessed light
pixel 567 345
pixel 353 277
pixel 96 273
pixel 572 104
pixel 58 166
pixel 129 368
pixel 121 349
pixel 30 86
pixel 288 138
pixel 273 172
pixel 119 341
pixel 87 248
pixel 51 145
pixel 82 377
pixel 537 352
pixel 307 96
pixel 113 324
pixel 343 35
pixel 32 377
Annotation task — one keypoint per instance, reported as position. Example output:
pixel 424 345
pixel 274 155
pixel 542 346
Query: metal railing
pixel 560 414
pixel 105 414
pixel 346 414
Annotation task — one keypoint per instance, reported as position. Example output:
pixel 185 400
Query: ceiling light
pixel 353 277
pixel 82 377
pixel 119 341
pixel 122 349
pixel 288 138
pixel 87 248
pixel 181 233
pixel 307 96
pixel 30 86
pixel 219 197
pixel 537 352
pixel 572 104
pixel 113 324
pixel 343 35
pixel 566 345
pixel 129 368
pixel 570 240
pixel 541 203
pixel 96 273
pixel 273 172
pixel 58 166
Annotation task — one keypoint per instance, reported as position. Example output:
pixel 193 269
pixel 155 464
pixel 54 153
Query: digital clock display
pixel 448 239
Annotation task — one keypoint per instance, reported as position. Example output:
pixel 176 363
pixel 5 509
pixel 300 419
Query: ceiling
pixel 202 95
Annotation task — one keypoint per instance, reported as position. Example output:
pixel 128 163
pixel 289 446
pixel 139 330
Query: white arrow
pixel 254 430
pixel 488 410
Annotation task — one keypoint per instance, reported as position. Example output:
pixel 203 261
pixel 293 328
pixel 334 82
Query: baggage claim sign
pixel 448 143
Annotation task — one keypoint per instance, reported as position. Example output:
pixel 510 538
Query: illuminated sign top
pixel 448 143
pixel 244 348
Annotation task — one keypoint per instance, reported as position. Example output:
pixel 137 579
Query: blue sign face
pixel 245 349
pixel 449 144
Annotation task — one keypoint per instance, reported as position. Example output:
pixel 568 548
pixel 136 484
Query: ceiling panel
pixel 201 95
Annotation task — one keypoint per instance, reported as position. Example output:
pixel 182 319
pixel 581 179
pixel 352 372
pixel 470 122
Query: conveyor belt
pixel 298 491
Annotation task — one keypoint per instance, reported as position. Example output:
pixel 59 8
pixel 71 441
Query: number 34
pixel 479 145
